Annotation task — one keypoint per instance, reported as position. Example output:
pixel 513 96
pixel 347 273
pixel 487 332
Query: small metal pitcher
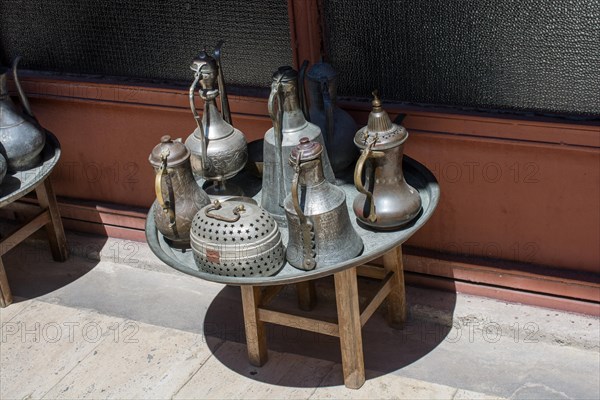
pixel 385 200
pixel 178 196
pixel 219 151
pixel 319 225
pixel 21 138
pixel 289 126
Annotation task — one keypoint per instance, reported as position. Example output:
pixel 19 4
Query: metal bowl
pixel 238 239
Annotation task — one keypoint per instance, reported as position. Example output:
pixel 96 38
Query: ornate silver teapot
pixel 337 125
pixel 289 126
pixel 319 224
pixel 178 196
pixel 21 138
pixel 385 200
pixel 219 151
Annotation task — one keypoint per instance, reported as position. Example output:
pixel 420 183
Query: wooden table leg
pixel 5 294
pixel 348 310
pixel 256 338
pixel 396 300
pixel 307 297
pixel 54 229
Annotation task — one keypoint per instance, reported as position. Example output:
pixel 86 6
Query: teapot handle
pixel 364 156
pixel 276 99
pixel 308 256
pixel 166 205
pixel 225 111
pixel 302 90
pixel 24 100
pixel 328 116
pixel 198 119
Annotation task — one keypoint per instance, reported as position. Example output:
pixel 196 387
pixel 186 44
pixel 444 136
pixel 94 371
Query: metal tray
pixel 18 184
pixel 376 243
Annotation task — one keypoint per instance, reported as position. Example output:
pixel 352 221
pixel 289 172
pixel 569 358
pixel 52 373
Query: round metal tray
pixel 376 243
pixel 18 184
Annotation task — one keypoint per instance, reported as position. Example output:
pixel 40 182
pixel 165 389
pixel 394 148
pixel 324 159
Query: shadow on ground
pixel 33 273
pixel 385 349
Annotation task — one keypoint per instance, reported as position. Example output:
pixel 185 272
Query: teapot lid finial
pixel 376 103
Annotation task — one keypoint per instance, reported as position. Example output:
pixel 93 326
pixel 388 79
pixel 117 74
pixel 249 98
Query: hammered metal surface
pixel 18 184
pixel 376 243
pixel 518 55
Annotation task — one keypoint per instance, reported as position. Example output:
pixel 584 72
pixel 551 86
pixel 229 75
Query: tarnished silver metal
pixel 337 125
pixel 219 151
pixel 289 126
pixel 238 239
pixel 376 243
pixel 318 221
pixel 21 138
pixel 385 200
pixel 3 169
pixel 178 196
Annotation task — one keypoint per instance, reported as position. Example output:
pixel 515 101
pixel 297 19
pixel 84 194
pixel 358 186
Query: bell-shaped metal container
pixel 289 126
pixel 385 200
pixel 219 151
pixel 337 125
pixel 21 138
pixel 178 195
pixel 320 231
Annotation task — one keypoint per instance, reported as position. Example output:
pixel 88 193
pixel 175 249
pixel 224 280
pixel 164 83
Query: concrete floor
pixel 114 322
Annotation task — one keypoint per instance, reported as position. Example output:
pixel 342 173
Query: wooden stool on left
pixel 18 185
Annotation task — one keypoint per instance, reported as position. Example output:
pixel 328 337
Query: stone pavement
pixel 114 322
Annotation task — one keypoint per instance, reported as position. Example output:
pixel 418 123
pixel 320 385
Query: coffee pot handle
pixel 329 129
pixel 166 205
pixel 221 82
pixel 364 156
pixel 302 90
pixel 24 100
pixel 276 99
pixel 197 118
pixel 308 256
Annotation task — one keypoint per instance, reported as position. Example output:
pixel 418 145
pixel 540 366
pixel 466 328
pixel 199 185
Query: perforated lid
pixel 380 129
pixel 174 150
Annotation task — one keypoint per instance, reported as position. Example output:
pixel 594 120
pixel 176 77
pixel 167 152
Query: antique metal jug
pixel 219 151
pixel 289 126
pixel 319 225
pixel 385 200
pixel 337 125
pixel 178 195
pixel 237 238
pixel 21 138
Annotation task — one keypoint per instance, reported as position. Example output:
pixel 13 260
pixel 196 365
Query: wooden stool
pixel 49 218
pixel 350 317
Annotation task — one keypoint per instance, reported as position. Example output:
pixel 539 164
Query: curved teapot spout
pixel 24 100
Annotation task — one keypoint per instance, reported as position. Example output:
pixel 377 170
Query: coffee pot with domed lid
pixel 385 200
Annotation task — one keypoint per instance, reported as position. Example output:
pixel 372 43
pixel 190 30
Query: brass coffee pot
pixel 21 137
pixel 289 126
pixel 219 151
pixel 319 225
pixel 178 197
pixel 385 200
